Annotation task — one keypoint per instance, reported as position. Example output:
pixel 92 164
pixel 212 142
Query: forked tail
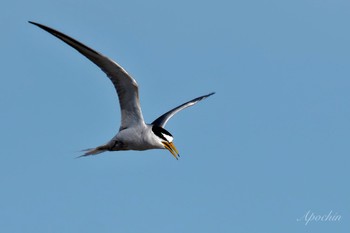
pixel 95 151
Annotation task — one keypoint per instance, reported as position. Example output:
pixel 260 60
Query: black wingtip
pixel 205 96
pixel 46 28
pixel 31 22
pixel 68 40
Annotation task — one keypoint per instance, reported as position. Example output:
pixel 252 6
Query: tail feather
pixel 94 151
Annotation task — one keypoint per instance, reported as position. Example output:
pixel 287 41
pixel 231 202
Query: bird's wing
pixel 163 119
pixel 124 84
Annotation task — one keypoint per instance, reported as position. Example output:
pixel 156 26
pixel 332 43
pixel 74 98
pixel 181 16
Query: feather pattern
pixel 125 85
pixel 163 119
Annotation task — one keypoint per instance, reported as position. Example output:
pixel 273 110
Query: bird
pixel 134 133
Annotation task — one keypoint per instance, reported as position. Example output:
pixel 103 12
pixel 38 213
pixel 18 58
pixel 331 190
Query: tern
pixel 134 133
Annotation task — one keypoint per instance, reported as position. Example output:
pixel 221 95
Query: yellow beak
pixel 171 147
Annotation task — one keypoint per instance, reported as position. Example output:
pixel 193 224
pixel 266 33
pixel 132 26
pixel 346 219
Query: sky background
pixel 270 146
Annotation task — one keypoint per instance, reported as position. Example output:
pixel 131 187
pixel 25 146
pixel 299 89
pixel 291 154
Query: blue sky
pixel 270 146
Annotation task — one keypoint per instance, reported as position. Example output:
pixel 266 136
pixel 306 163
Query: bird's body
pixel 134 133
pixel 132 138
pixel 136 138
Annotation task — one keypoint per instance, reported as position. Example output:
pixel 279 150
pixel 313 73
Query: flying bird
pixel 134 133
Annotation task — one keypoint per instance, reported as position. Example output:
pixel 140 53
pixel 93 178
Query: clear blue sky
pixel 271 145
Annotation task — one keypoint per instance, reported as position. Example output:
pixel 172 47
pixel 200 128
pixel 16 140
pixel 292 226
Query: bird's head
pixel 166 139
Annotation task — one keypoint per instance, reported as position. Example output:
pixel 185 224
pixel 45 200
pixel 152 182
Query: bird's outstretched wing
pixel 124 84
pixel 163 119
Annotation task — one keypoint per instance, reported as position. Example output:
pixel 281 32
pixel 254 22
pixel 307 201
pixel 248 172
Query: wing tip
pixel 36 24
pixel 46 28
pixel 206 96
